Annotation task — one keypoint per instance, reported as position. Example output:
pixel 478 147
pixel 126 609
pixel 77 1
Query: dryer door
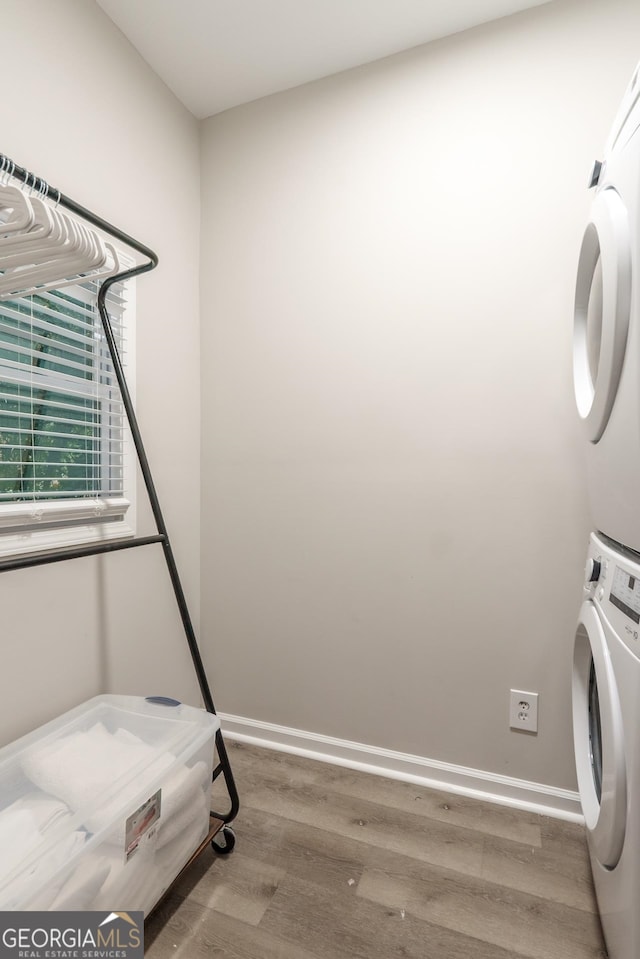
pixel 598 739
pixel 602 308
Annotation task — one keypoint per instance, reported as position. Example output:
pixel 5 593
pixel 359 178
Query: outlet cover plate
pixel 523 711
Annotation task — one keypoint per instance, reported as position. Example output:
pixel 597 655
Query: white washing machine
pixel 606 729
pixel 606 344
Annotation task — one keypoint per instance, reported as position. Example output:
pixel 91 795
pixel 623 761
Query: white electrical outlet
pixel 523 710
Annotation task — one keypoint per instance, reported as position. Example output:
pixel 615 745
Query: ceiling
pixel 217 54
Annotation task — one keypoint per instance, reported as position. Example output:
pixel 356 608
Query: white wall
pixel 394 511
pixel 81 109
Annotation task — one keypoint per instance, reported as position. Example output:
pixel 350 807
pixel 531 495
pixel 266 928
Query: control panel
pixel 612 582
pixel 625 593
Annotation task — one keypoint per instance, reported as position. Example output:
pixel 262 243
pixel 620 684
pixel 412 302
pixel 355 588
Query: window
pixel 65 475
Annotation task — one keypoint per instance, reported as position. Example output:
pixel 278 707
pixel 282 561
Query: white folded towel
pixel 178 791
pixel 83 885
pixel 128 886
pixel 195 811
pixel 172 857
pixel 20 838
pixel 175 854
pixel 181 787
pixel 31 826
pixel 47 874
pixel 83 767
pixel 46 811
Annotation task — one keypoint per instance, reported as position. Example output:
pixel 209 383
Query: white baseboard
pixel 464 781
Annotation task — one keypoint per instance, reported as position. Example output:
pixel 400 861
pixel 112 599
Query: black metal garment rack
pixel 219 821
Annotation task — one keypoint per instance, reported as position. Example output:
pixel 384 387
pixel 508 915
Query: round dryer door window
pixel 598 739
pixel 602 309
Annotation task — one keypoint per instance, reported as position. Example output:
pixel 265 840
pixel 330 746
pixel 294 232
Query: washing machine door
pixel 598 739
pixel 602 309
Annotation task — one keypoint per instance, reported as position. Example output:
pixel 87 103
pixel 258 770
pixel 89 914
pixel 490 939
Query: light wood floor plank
pixel 304 851
pixel 529 925
pixel 568 836
pixel 548 872
pixel 241 887
pixel 345 926
pixel 182 929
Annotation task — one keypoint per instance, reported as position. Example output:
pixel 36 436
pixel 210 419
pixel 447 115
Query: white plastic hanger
pixel 57 247
pixel 111 267
pixel 24 282
pixel 16 213
pixel 46 233
pixel 44 248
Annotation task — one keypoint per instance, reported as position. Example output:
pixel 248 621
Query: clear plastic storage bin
pixel 102 807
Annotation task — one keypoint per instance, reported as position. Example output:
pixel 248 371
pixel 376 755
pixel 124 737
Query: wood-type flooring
pixel 331 863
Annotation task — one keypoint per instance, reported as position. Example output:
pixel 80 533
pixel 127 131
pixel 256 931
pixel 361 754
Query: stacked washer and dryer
pixel 606 668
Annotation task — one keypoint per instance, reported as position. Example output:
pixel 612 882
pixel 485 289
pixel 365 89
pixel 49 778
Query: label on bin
pixel 141 825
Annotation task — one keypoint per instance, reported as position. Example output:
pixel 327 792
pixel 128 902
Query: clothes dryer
pixel 606 729
pixel 606 343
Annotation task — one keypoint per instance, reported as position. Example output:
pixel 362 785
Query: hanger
pixel 24 283
pixel 16 213
pixel 45 248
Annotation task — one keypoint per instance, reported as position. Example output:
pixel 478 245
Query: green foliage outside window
pixel 51 405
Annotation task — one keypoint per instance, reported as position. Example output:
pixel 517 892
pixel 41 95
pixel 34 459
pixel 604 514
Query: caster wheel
pixel 224 841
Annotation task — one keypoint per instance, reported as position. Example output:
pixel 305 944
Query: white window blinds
pixel 61 415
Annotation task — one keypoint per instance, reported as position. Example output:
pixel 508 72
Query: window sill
pixel 27 528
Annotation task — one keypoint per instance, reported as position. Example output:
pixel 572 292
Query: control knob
pixel 592 570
